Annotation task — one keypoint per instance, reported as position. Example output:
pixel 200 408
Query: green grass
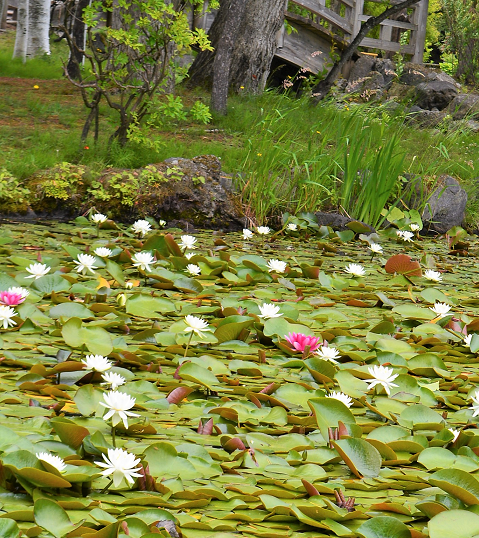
pixel 285 154
pixel 46 67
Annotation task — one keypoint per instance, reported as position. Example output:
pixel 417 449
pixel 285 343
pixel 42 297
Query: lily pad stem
pixel 113 436
pixel 107 487
pixel 188 344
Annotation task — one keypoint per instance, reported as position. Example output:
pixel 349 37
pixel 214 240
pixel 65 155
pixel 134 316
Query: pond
pixel 300 382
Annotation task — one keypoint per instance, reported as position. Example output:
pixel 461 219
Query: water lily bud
pixel 121 299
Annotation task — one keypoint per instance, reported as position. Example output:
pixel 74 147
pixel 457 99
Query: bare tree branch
pixel 322 88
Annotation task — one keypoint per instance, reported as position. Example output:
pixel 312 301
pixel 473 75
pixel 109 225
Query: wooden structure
pixel 316 27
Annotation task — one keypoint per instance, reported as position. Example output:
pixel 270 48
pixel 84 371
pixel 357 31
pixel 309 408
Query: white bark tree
pixel 20 50
pixel 3 14
pixel 33 27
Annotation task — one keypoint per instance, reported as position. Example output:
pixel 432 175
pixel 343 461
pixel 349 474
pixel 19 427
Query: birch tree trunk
pixel 38 41
pixel 20 49
pixel 3 14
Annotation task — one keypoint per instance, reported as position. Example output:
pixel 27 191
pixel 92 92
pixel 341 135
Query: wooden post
pixel 356 13
pixel 419 35
pixel 280 32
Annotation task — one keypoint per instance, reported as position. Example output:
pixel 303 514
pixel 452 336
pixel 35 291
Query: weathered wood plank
pixel 387 45
pixel 392 22
pixel 317 28
pixel 326 13
pixel 357 12
pixel 301 48
pixel 420 18
pixel 385 33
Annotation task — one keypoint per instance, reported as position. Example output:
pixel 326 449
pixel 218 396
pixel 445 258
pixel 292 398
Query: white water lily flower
pixel 376 248
pixel 6 315
pixel 188 241
pixel 37 270
pixel 269 310
pixel 247 234
pixel 193 269
pixel 118 404
pixel 475 405
pixel 347 401
pixel 440 309
pixel 455 433
pixel 382 376
pixel 467 340
pixel 85 263
pixel 189 255
pixel 263 230
pixel 162 222
pixel 143 260
pixel 196 325
pixel 120 464
pixel 355 269
pixel 54 461
pixel 98 218
pixel 99 363
pixel 141 227
pixel 113 379
pixel 103 252
pixel 414 227
pixel 24 293
pixel 328 353
pixel 292 227
pixel 435 276
pixel 405 236
pixel 276 265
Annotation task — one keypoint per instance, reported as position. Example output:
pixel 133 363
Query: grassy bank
pixel 285 154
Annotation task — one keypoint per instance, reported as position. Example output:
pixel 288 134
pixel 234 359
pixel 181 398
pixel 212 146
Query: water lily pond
pixel 299 382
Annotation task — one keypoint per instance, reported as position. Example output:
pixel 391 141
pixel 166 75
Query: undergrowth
pixel 283 154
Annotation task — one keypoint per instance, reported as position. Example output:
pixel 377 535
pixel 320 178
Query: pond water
pixel 233 428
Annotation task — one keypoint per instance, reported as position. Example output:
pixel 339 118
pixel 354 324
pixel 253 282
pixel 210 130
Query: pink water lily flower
pixel 12 298
pixel 299 341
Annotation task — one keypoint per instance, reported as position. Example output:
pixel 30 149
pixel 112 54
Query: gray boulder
pixel 464 104
pixel 414 74
pixel 435 94
pixel 425 118
pixel 445 207
pixel 336 221
pixel 370 86
pixel 386 68
pixel 362 67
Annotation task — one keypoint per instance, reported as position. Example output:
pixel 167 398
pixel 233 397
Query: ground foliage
pixel 237 437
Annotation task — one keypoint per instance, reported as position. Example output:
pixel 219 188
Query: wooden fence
pixel 315 27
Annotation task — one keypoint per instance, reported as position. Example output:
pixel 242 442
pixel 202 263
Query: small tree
pixel 132 59
pixel 461 18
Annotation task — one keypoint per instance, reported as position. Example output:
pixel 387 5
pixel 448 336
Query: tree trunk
pixel 3 14
pixel 201 70
pixel 38 28
pixel 21 37
pixel 322 88
pixel 223 56
pixel 254 48
pixel 78 38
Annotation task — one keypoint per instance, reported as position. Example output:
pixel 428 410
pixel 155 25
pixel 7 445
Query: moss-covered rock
pixel 190 191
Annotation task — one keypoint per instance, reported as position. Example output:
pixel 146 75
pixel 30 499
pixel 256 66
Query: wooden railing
pixel 343 18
